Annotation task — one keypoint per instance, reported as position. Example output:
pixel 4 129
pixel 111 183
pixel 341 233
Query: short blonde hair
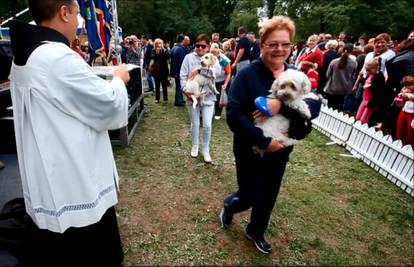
pixel 328 36
pixel 277 23
pixel 158 40
pixel 372 64
pixel 314 38
pixel 214 48
pixel 226 45
pixel 331 44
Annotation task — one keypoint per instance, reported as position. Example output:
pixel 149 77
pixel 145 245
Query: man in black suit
pixel 147 49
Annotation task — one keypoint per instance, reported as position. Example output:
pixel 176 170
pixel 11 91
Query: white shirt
pixel 409 106
pixel 62 112
pixel 192 61
pixel 387 55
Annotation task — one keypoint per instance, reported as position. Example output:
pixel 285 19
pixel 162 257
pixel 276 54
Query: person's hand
pixel 188 95
pixel 274 146
pixel 233 66
pixel 258 116
pixel 193 73
pixel 354 88
pixel 121 72
pixel 407 96
pixel 273 105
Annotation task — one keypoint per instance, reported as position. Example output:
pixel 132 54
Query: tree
pixel 8 8
pixel 245 14
pixel 167 18
pixel 355 17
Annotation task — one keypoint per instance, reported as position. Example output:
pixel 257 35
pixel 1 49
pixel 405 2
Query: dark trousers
pixel 96 244
pixel 163 81
pixel 179 99
pixel 217 108
pixel 335 101
pixel 259 179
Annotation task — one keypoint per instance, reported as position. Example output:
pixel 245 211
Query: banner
pixel 88 12
pixel 104 17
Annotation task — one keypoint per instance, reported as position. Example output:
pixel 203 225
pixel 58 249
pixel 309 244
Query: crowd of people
pixel 364 79
pixel 336 67
pixel 63 114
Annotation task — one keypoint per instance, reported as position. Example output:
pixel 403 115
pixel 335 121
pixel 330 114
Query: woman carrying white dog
pixel 190 66
pixel 259 177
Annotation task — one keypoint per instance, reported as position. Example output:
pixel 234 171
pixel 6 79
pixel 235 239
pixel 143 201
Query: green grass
pixel 331 210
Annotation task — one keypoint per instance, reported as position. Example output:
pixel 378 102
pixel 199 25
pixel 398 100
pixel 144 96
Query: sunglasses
pixel 200 45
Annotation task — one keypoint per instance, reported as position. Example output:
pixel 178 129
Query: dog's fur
pixel 291 87
pixel 203 82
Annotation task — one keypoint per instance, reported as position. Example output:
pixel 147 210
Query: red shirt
pixel 313 76
pixel 312 56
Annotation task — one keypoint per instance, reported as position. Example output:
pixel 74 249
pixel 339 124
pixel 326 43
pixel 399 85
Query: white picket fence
pixel 388 157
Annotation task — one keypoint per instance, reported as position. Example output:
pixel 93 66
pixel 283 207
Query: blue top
pixel 251 82
pixel 244 43
pixel 177 55
pixel 254 51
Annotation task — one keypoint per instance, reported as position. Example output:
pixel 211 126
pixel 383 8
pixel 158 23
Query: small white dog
pixel 291 87
pixel 203 81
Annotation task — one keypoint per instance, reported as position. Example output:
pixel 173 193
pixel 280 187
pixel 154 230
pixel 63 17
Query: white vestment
pixel 62 113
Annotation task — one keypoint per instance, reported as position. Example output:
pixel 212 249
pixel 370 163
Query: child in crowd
pixel 405 99
pixel 223 75
pixel 313 76
pixel 372 89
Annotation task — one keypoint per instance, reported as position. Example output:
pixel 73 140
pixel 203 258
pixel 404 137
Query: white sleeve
pixel 184 71
pixel 76 90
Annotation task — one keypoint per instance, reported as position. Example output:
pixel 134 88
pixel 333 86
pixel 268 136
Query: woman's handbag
pixel 223 98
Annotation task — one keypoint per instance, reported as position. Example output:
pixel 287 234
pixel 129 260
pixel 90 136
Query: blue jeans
pixel 207 114
pixel 149 79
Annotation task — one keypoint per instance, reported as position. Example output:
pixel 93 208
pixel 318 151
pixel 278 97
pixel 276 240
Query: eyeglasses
pixel 276 45
pixel 200 45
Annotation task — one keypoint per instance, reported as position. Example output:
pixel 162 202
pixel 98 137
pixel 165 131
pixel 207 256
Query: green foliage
pixel 331 210
pixel 167 18
pixel 355 17
pixel 245 14
pixel 8 7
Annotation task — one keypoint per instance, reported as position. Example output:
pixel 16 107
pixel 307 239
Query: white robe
pixel 62 113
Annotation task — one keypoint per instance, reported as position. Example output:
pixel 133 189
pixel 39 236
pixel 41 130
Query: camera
pixel 130 42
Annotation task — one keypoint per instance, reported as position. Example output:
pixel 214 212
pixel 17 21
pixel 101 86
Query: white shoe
pixel 194 151
pixel 217 117
pixel 207 157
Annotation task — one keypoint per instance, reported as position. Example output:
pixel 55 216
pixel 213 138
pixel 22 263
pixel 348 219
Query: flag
pixel 87 11
pixel 104 17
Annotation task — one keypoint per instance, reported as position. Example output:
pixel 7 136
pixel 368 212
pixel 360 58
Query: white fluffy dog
pixel 203 81
pixel 291 87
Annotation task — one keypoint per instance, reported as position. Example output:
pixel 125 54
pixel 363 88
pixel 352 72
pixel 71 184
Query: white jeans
pixel 207 113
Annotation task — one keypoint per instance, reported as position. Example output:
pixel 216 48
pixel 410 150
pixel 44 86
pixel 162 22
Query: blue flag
pixel 87 11
pixel 105 19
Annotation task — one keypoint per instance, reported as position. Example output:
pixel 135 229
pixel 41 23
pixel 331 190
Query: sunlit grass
pixel 331 210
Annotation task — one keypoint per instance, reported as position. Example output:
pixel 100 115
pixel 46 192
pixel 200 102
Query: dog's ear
pixel 275 86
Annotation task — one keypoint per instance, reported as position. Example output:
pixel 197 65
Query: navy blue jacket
pixel 254 51
pixel 253 81
pixel 177 55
